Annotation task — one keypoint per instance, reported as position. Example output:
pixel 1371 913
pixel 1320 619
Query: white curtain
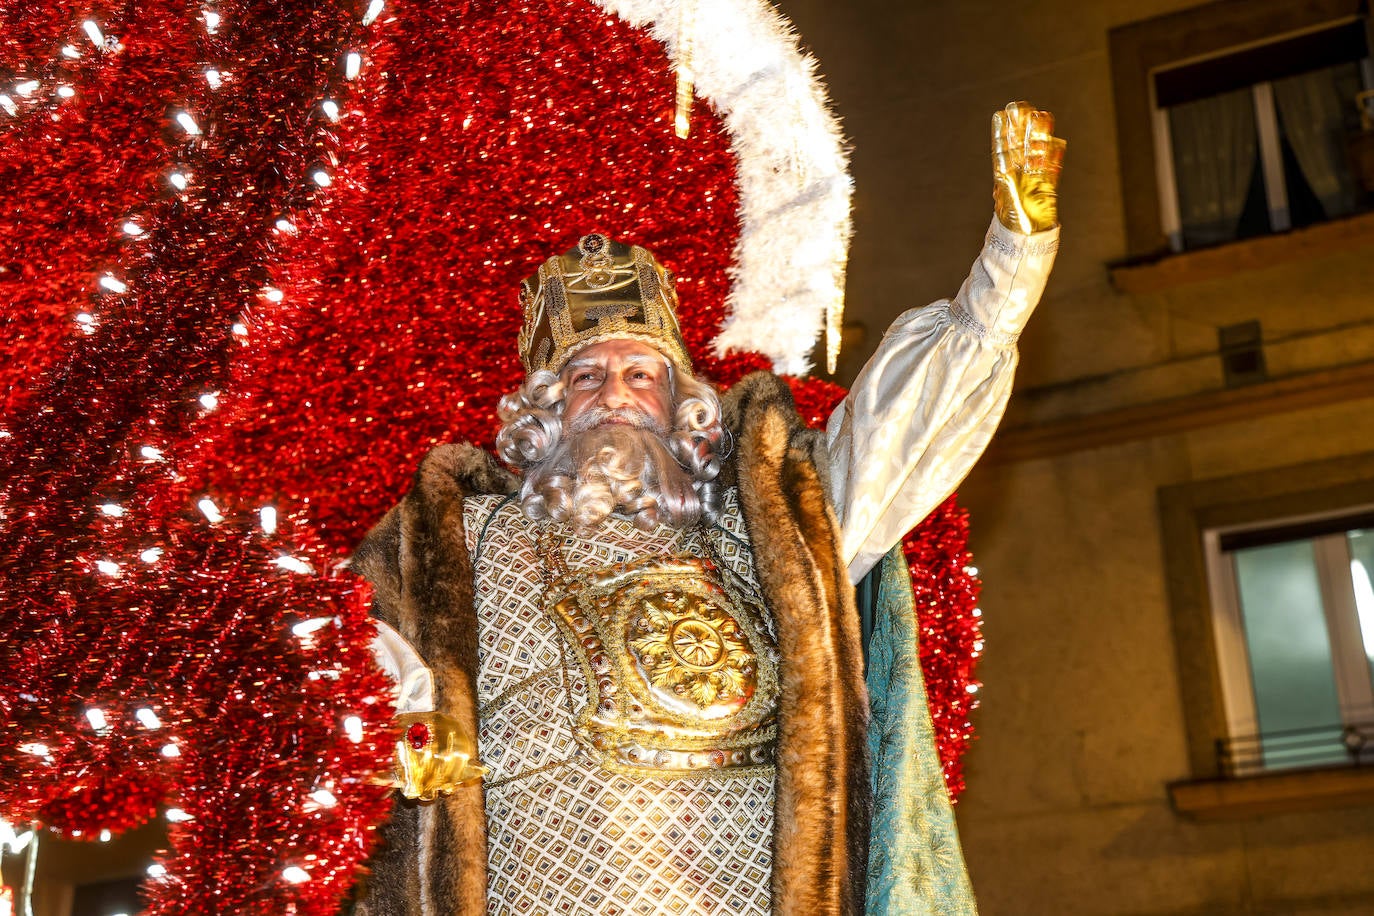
pixel 1214 161
pixel 1313 108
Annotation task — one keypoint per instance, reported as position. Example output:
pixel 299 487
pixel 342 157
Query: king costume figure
pixel 644 624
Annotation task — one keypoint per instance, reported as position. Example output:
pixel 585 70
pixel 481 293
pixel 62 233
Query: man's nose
pixel 616 394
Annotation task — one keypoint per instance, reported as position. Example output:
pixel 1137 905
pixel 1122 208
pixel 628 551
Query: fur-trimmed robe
pixel 434 859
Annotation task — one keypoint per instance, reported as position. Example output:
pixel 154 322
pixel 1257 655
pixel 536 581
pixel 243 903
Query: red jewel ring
pixel 418 735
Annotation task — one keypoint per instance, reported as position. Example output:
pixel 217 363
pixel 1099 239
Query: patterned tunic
pixel 567 835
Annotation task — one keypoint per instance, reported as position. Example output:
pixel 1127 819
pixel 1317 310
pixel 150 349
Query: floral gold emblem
pixel 694 649
pixel 681 673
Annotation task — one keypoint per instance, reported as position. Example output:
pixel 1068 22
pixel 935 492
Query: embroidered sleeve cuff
pixel 1005 284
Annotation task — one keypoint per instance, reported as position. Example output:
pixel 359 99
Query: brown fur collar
pixel 417 560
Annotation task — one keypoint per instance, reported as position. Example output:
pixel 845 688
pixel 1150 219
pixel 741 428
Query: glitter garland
pixel 263 255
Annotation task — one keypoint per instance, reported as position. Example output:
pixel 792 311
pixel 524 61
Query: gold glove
pixel 434 755
pixel 1026 157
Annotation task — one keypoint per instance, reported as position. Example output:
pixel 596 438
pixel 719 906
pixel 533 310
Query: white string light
pixel 306 627
pixel 353 65
pixel 114 510
pixel 374 9
pixel 188 123
pixel 178 816
pixel 267 516
pixel 148 719
pixel 26 88
pixel 209 400
pixel 151 555
pixel 353 727
pixel 113 284
pixel 71 52
pixel 179 181
pixel 331 109
pixel 150 453
pixel 207 507
pixel 96 716
pixel 108 567
pixel 170 750
pixel 7 103
pixel 157 870
pixel 65 91
pixel 294 874
pixel 212 21
pixel 321 178
pixel 293 564
pixel 214 78
pixel 132 228
pixel 94 34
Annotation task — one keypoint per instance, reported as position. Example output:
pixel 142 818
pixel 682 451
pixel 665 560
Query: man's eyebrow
pixel 583 363
pixel 638 359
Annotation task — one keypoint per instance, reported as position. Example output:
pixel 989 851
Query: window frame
pixel 1350 664
pixel 1187 512
pixel 1139 50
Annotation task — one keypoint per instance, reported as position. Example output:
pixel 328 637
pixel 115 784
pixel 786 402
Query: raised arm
pixel 925 406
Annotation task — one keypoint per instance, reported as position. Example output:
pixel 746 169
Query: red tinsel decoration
pixel 289 304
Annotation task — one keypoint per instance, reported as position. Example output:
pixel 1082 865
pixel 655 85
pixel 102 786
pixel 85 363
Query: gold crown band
pixel 601 290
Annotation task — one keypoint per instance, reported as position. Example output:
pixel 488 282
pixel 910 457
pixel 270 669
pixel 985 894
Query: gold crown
pixel 601 290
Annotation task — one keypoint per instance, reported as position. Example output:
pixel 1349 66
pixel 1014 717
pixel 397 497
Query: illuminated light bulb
pixel 107 567
pixel 35 748
pixel 132 228
pixel 170 750
pixel 972 688
pixel 114 510
pixel 239 329
pixel 93 33
pixel 208 509
pixel 971 570
pixel 272 294
pixel 147 718
pixel 324 798
pixel 294 874
pixel 150 453
pixel 467 122
pixel 26 88
pixel 374 9
pixel 65 91
pixel 151 555
pixel 209 400
pixel 7 103
pixel 213 78
pixel 322 178
pixel 179 181
pixel 113 284
pixel 105 837
pixel 306 627
pixel 188 123
pixel 96 716
pixel 267 515
pixel 293 564
pixel 353 64
pixel 86 322
pixel 212 20
pixel 71 51
pixel 331 109
pixel 353 727
pixel 285 225
pixel 178 816
pixel 157 870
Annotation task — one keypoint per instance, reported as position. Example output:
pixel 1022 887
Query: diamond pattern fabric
pixel 566 835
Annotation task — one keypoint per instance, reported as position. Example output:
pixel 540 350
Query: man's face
pixel 616 375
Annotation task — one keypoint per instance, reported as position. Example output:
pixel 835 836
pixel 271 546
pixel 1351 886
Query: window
pixel 1263 139
pixel 1242 117
pixel 1293 619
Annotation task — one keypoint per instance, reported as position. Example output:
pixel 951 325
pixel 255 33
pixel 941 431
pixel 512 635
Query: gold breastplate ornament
pixel 682 675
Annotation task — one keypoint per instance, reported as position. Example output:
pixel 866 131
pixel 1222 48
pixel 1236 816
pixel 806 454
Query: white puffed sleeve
pixel 924 407
pixel 414 681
